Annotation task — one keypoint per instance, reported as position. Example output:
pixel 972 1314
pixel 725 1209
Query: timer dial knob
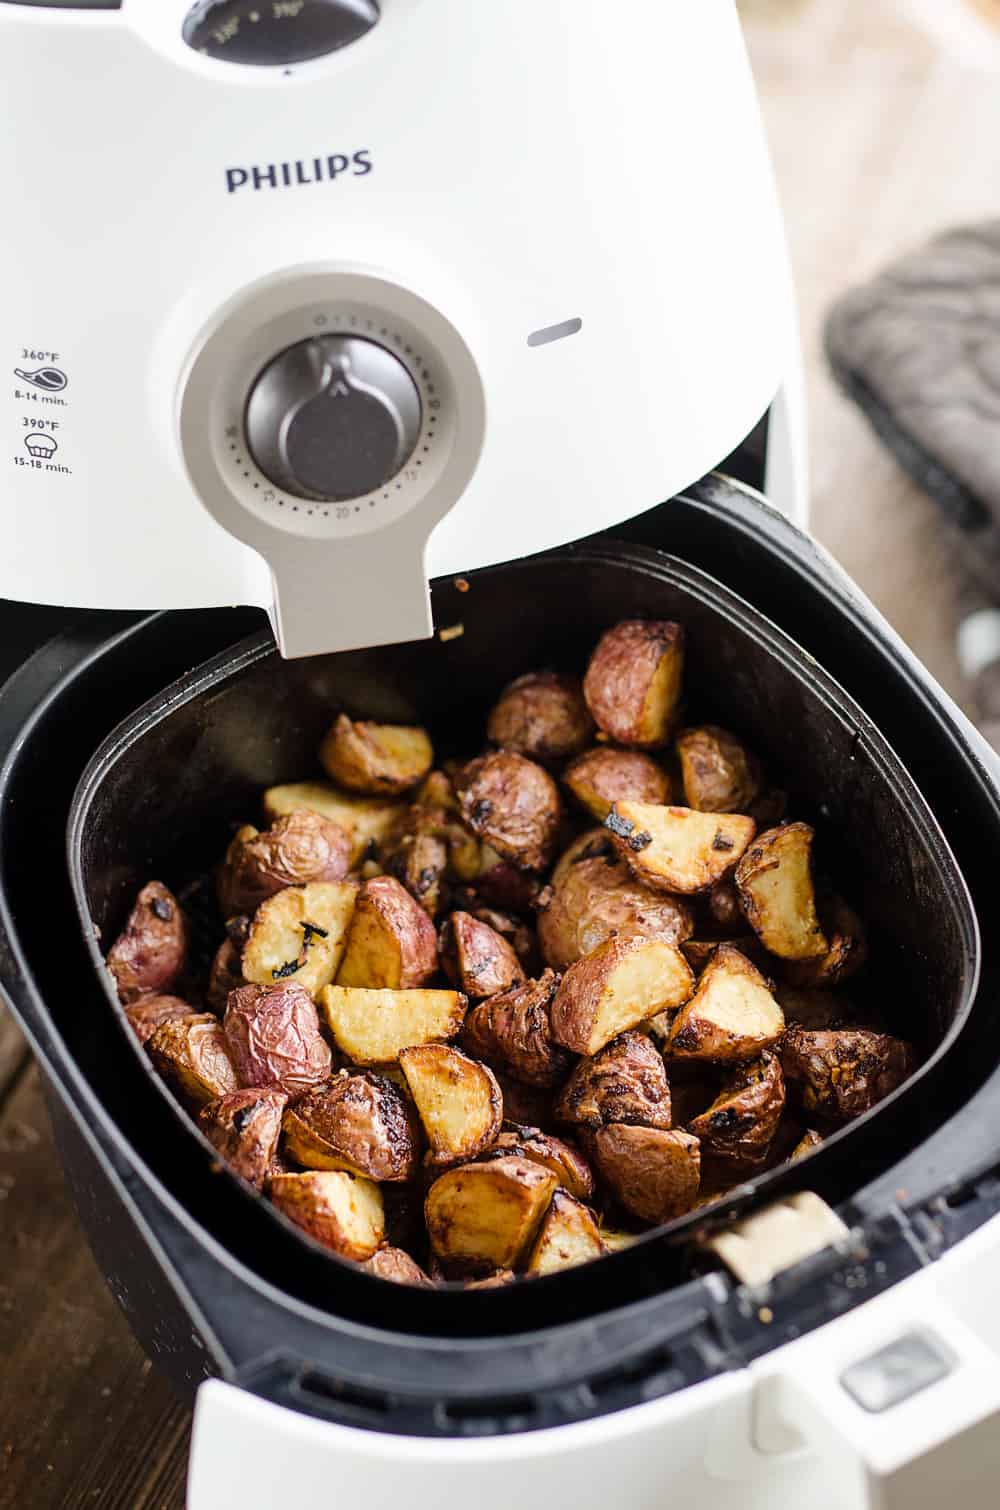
pixel 333 418
pixel 278 34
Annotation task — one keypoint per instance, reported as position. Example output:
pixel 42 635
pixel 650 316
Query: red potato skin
pixel 275 1039
pixel 597 897
pixel 150 953
pixel 842 1073
pixel 741 1132
pixel 297 849
pixel 396 1265
pixel 365 1118
pixel 514 1031
pixel 619 674
pixel 541 715
pixel 409 922
pixel 513 805
pixel 518 934
pixel 719 774
pixel 225 976
pixel 151 1012
pixel 475 959
pixel 244 1128
pixel 616 774
pixel 655 1174
pixel 624 1082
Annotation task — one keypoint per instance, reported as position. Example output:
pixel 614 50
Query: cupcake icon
pixel 42 446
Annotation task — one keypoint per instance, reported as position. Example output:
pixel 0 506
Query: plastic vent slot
pixel 352 1397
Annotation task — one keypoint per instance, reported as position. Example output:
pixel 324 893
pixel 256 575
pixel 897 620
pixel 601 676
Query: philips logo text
pixel 304 170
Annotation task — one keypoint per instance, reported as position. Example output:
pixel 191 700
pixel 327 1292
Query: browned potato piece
pixel 742 1120
pixel 488 1213
pixel 541 715
pixel 568 1236
pixel 299 934
pixel 814 1010
pixel 808 1143
pixel 391 943
pixel 513 804
pixel 514 1030
pixel 396 1266
pixel 615 1240
pixel 844 1072
pixel 616 986
pixel 518 934
pixel 491 1282
pixel 225 975
pixel 654 1174
pixel 775 882
pixel 499 883
pixel 847 952
pixel 342 1211
pixel 360 1122
pixel 416 853
pixel 149 954
pixel 625 1082
pixel 458 1101
pixel 633 681
pixel 726 909
pixel 603 776
pixel 375 759
pixel 595 898
pixel 731 1016
pixel 693 1088
pixel 151 1012
pixel 436 790
pixel 299 848
pixel 675 848
pixel 193 1054
pixel 475 959
pixel 566 1163
pixel 244 1127
pixel 698 952
pixel 367 820
pixel 372 1027
pixel 719 774
pixel 274 1038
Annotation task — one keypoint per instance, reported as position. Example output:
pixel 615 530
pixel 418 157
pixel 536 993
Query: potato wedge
pixel 566 1163
pixel 244 1128
pixel 375 759
pixel 151 1012
pixel 488 1213
pixel 653 1173
pixel 847 953
pixel 624 1082
pixel 193 1054
pixel 513 805
pixel 519 934
pixel 396 1266
pixel 458 1101
pixel 775 883
pixel 358 1121
pixel 274 1038
pixel 301 847
pixel 719 774
pixel 491 1281
pixel 475 959
pixel 391 943
pixel 842 1073
pixel 367 820
pixel 633 681
pixel 732 1016
pixel 339 1210
pixel 741 1122
pixel 603 776
pixel 568 1236
pixel 148 956
pixel 541 715
pixel 675 848
pixel 514 1032
pixel 300 934
pixel 807 1144
pixel 416 853
pixel 615 987
pixel 372 1027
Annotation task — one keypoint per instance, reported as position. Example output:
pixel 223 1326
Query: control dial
pixel 275 35
pixel 333 417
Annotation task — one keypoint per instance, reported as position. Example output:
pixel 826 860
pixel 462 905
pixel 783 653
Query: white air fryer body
pixel 460 185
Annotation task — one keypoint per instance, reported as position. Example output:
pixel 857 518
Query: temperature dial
pixel 333 418
pixel 276 35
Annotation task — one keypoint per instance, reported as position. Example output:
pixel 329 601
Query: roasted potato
pixel 808 1143
pixel 193 1054
pixel 360 1122
pixel 391 943
pixel 342 1211
pixel 725 909
pixel 568 1236
pixel 151 1012
pixel 615 1241
pixel 499 883
pixel 476 959
pixel 487 1214
pixel 842 1073
pixel 741 1122
pixel 624 1082
pixel 847 952
pixel 491 1281
pixel 541 715
pixel 244 1127
pixel 653 1173
pixel 603 776
pixel 775 883
pixel 693 1088
pixel 719 775
pixel 367 820
pixel 458 1101
pixel 372 1027
pixel 514 1031
pixel 274 1038
pixel 415 852
pixel 595 898
pixel 633 681
pixel 675 848
pixel 732 1016
pixel 522 938
pixel 397 1266
pixel 300 934
pixel 513 805
pixel 150 953
pixel 618 985
pixel 566 1163
pixel 225 974
pixel 301 847
pixel 436 790
pixel 375 759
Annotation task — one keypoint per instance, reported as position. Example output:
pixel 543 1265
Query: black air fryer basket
pixel 211 1278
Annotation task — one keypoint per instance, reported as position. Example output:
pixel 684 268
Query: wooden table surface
pixel 878 141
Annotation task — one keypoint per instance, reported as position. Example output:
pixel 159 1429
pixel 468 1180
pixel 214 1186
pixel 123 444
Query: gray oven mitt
pixel 918 349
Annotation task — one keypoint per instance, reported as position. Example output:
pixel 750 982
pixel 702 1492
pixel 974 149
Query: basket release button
pixel 901 1369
